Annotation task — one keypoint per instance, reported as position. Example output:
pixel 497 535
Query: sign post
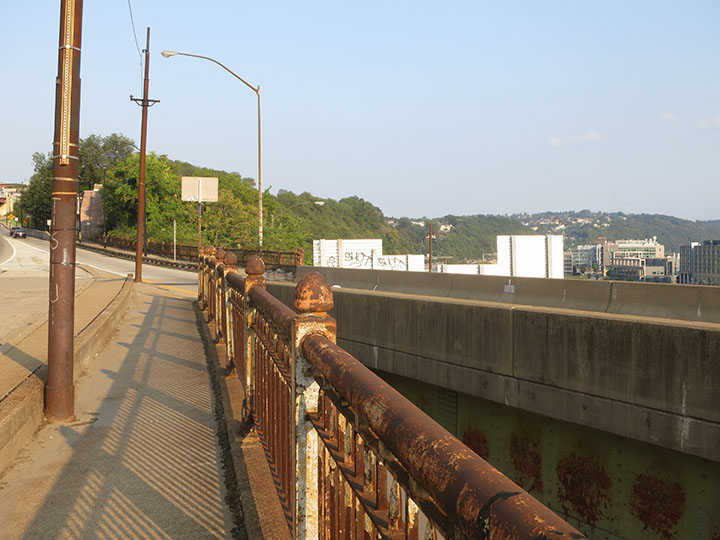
pixel 199 189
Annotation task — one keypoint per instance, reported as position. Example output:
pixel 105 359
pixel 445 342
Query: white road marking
pixel 11 256
pixel 104 269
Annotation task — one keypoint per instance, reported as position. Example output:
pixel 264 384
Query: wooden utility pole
pixel 144 103
pixel 59 391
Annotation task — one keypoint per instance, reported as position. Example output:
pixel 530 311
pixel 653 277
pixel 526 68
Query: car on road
pixel 19 233
pixel 12 230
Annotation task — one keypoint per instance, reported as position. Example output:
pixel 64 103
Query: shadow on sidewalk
pixel 145 463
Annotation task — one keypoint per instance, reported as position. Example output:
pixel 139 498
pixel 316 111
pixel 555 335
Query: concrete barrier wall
pixel 657 381
pixel 667 301
pixel 685 302
pixel 671 368
pixel 35 233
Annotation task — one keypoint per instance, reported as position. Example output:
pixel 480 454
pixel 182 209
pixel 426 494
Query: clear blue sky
pixel 423 108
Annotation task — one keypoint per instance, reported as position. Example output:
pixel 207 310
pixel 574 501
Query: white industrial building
pixel 521 256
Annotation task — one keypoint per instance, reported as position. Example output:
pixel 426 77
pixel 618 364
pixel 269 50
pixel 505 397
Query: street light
pixel 272 218
pixel 168 54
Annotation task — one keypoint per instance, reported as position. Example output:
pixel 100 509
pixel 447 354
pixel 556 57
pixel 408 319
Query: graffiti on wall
pixel 357 259
pixel 390 262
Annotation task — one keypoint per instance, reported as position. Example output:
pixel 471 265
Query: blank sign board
pixel 199 189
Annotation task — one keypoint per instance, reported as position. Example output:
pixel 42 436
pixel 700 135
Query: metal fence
pixel 274 259
pixel 351 457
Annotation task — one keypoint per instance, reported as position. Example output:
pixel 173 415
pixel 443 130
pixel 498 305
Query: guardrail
pixel 281 259
pixel 351 457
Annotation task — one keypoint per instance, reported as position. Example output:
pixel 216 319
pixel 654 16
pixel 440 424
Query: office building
pixel 700 263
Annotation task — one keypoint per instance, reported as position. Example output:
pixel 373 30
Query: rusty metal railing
pixel 351 457
pixel 273 259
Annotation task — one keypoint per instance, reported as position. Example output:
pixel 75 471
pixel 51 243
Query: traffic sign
pixel 199 189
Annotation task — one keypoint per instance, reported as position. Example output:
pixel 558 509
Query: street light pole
pixel 168 54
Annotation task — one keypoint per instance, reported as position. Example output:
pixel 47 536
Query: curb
pixel 91 340
pixel 22 412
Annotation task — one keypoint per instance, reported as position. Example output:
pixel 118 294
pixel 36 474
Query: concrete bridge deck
pixel 153 453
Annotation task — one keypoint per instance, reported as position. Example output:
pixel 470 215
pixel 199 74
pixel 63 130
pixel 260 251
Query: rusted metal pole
pixel 430 245
pixel 144 103
pixel 59 392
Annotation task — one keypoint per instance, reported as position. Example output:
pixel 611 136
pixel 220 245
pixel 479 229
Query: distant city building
pixel 522 256
pixel 642 249
pixel 626 268
pixel 700 263
pixel 568 262
pixel 587 257
pixel 657 270
pixel 9 196
pixel 366 254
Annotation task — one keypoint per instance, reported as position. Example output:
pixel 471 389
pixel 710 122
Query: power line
pixel 137 45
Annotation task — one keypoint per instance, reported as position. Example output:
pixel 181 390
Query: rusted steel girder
pixel 479 499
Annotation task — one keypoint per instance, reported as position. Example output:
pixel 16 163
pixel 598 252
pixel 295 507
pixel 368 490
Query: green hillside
pixel 292 221
pixel 670 231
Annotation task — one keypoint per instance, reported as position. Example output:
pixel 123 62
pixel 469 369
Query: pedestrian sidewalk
pixel 150 454
pixel 23 357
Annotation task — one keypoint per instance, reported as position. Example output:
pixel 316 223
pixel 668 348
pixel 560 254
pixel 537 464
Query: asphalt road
pixel 24 279
pixel 33 253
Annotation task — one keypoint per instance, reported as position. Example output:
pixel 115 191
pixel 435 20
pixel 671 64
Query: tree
pixel 230 222
pixel 99 155
pixel 162 192
pixel 36 197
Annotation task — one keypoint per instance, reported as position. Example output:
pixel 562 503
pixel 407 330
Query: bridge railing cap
pixel 313 294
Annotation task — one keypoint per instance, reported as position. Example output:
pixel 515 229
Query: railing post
pixel 202 280
pixel 313 301
pixel 255 272
pixel 210 284
pixel 229 263
pixel 219 287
